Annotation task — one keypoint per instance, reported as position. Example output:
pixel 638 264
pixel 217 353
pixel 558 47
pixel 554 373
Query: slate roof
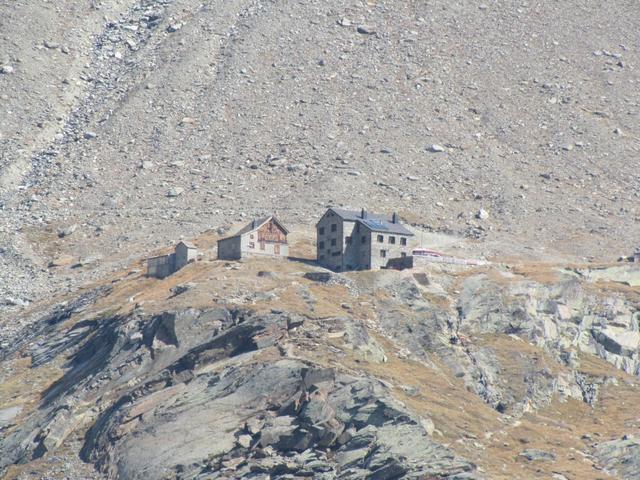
pixel 187 244
pixel 374 222
pixel 256 224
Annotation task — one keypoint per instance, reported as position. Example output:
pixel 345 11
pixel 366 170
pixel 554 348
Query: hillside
pixel 256 368
pixel 141 121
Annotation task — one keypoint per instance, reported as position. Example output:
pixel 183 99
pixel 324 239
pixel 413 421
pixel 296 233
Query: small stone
pixel 175 192
pixel 51 45
pixel 366 29
pixel 65 232
pixel 568 148
pixel 15 302
pixel 88 260
pixel 482 214
pixel 90 135
pixel 61 261
pixel 174 27
pixel 244 441
pixel 6 69
pixel 109 202
pixel 355 173
pixel 345 22
pixel 146 165
pixel 435 148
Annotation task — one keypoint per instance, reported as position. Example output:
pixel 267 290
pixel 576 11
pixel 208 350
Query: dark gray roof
pixel 257 223
pixel 374 222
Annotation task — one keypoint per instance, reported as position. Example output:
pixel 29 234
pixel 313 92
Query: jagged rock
pixel 620 457
pixel 532 455
pixel 322 277
pixel 618 340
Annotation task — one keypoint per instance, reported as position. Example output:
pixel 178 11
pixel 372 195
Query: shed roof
pixel 187 244
pixel 373 221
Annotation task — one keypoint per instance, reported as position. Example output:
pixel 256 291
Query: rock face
pixel 428 384
pixel 621 457
pixel 170 393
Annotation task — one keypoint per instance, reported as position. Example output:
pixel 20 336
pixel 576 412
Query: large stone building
pixel 264 236
pixel 352 240
pixel 164 265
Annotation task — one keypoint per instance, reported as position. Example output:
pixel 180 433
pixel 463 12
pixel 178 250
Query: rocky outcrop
pixel 227 392
pixel 193 392
pixel 621 457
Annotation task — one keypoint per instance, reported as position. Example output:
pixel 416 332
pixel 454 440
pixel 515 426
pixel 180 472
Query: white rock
pixel 6 69
pixel 435 148
pixel 175 192
pixel 244 441
pixel 482 214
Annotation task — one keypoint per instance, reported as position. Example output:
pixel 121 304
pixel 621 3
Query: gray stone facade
pixel 350 240
pixel 266 236
pixel 164 265
pixel 185 253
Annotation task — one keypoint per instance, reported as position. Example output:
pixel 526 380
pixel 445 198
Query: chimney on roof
pixel 363 214
pixel 253 223
pixel 394 217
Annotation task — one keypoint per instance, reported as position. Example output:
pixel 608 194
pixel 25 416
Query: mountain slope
pixel 240 108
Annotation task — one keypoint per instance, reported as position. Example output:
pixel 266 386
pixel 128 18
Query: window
pixel 380 238
pixel 321 245
pixel 321 231
pixel 261 245
pixel 403 254
pixel 363 239
pixel 403 241
pixel 252 245
pixel 392 240
pixel 335 254
pixel 347 240
pixel 334 227
pixel 251 236
pixel 333 242
pixel 383 254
